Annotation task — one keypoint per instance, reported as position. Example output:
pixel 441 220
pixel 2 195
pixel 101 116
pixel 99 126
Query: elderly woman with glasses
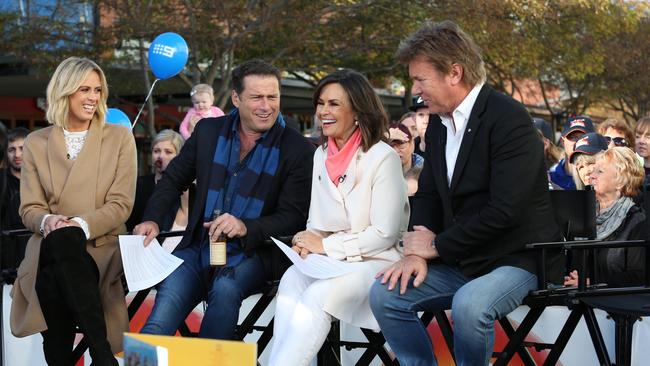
pixel 617 178
pixel 617 133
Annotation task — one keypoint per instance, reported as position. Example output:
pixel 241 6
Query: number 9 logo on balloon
pixel 168 55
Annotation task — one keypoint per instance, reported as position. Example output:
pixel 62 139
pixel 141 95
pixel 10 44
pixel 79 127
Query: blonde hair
pixel 65 81
pixel 629 174
pixel 202 88
pixel 620 126
pixel 581 157
pixel 169 135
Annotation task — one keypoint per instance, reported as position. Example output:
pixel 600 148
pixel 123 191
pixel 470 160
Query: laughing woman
pixel 77 189
pixel 358 208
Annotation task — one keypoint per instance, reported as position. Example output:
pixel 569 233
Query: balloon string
pixel 145 103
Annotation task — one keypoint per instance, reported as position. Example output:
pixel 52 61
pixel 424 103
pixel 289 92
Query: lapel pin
pixel 469 130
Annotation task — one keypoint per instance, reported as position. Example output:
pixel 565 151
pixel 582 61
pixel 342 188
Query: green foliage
pixel 592 50
pixel 45 33
pixel 625 82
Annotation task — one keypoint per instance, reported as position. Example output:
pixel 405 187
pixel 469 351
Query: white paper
pixel 316 265
pixel 145 267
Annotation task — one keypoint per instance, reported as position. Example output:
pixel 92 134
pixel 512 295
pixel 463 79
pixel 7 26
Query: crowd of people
pixel 434 209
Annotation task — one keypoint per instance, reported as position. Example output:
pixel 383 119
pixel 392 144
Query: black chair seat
pixel 633 304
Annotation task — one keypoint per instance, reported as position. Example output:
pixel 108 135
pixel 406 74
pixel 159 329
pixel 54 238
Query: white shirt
pixel 456 124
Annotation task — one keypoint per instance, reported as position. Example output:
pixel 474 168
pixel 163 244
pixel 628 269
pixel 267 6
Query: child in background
pixel 202 100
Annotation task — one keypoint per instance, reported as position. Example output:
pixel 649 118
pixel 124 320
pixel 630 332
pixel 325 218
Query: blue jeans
pixel 193 282
pixel 475 303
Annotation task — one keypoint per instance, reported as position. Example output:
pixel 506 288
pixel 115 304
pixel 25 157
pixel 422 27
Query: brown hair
pixel 444 44
pixel 402 128
pixel 629 173
pixel 620 126
pixel 642 125
pixel 370 112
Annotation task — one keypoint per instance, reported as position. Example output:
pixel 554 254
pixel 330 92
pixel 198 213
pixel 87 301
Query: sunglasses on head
pixel 618 141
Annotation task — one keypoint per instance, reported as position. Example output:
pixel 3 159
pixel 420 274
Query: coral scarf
pixel 338 160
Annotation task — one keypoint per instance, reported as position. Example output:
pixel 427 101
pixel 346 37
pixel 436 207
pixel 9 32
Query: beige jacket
pixel 99 187
pixel 361 221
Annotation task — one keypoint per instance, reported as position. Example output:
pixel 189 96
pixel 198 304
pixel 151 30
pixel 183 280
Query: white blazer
pixel 361 221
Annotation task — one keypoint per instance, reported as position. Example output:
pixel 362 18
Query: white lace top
pixel 74 142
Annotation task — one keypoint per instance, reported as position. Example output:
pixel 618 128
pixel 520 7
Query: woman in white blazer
pixel 358 208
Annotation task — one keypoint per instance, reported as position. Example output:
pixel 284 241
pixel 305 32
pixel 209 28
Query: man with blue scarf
pixel 254 171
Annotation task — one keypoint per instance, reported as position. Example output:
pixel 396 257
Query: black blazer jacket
pixel 498 199
pixel 285 208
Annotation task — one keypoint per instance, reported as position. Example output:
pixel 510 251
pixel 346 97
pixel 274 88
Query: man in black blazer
pixel 482 196
pixel 243 137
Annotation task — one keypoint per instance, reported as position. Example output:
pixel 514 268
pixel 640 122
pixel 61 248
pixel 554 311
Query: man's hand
pixel 227 224
pixel 402 270
pixel 306 242
pixel 149 229
pixel 419 243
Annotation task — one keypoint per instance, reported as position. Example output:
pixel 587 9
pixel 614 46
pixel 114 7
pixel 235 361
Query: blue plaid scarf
pixel 257 177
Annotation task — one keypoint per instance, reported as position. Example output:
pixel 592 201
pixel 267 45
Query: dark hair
pixel 252 67
pixel 3 144
pixel 402 128
pixel 444 44
pixel 370 112
pixel 17 133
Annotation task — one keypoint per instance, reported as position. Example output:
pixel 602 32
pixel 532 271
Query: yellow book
pixel 191 351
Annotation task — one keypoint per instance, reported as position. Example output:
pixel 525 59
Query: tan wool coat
pixel 99 187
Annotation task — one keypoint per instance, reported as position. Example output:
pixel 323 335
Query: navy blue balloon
pixel 117 117
pixel 168 55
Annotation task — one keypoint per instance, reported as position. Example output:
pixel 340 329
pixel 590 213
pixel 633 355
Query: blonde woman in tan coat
pixel 77 190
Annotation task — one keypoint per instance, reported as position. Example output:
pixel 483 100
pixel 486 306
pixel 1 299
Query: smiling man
pixel 253 171
pixel 482 196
